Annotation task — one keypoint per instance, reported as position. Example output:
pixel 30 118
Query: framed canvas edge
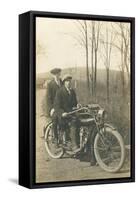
pixel 32 101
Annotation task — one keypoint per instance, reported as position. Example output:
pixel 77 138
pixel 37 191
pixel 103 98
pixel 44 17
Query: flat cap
pixel 55 71
pixel 66 77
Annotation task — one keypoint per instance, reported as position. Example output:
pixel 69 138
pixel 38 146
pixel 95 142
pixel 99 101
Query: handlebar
pixel 90 106
pixel 77 110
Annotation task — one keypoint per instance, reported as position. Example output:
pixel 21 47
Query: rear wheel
pixel 109 150
pixel 51 146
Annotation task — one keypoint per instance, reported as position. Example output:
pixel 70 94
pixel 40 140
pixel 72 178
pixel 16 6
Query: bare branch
pixel 80 28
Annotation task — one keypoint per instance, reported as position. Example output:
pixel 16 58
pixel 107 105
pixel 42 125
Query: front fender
pixel 109 125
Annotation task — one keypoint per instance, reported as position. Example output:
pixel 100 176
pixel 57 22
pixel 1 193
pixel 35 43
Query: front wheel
pixel 109 149
pixel 51 147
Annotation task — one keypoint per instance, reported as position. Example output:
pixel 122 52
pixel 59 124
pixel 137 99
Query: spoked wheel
pixel 109 150
pixel 51 146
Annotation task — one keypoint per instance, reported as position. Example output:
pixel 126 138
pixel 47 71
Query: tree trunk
pixel 87 64
pixel 122 69
pixel 92 67
pixel 95 74
pixel 108 81
pixel 123 84
pixel 87 69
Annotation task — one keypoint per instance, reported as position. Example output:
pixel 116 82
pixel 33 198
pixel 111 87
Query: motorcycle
pixel 107 143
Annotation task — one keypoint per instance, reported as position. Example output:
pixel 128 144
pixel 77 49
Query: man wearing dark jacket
pixel 64 102
pixel 52 88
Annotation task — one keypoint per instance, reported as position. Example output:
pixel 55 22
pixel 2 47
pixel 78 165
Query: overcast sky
pixel 57 45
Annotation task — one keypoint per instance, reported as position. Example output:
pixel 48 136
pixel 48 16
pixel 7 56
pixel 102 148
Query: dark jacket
pixel 52 89
pixel 64 102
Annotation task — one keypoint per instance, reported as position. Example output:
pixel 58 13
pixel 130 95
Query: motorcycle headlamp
pixel 102 115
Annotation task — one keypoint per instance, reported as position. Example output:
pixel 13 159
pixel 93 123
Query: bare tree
pixel 123 33
pixel 95 35
pixel 87 54
pixel 92 57
pixel 107 43
pixel 122 68
pixel 83 41
pixel 109 46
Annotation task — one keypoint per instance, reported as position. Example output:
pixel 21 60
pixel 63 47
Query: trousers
pixel 71 126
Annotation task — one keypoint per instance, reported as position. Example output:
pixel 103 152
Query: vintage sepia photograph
pixel 83 99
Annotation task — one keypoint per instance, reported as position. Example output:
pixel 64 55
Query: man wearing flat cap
pixel 64 102
pixel 52 88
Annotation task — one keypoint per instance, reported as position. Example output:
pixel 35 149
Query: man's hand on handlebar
pixel 79 105
pixel 65 114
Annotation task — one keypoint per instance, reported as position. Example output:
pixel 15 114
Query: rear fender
pixel 45 127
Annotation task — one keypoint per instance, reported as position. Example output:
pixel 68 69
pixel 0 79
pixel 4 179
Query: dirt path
pixel 51 170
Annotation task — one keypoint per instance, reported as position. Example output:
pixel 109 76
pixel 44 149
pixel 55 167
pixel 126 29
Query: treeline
pixel 103 40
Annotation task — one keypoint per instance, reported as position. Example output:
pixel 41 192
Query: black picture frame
pixel 27 86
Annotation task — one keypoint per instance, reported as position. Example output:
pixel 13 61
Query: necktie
pixel 69 91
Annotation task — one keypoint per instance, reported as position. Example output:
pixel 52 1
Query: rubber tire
pixel 47 147
pixel 97 156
